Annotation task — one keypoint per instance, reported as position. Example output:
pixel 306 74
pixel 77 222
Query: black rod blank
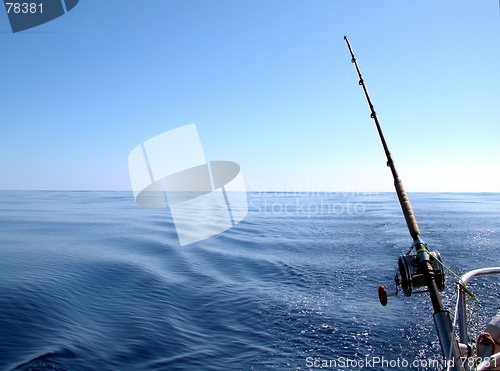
pixel 411 222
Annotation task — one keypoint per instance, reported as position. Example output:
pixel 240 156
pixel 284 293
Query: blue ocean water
pixel 91 281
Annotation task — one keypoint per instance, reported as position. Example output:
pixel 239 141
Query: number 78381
pixel 24 7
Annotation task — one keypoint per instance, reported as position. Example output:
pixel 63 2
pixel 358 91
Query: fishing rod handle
pixel 411 222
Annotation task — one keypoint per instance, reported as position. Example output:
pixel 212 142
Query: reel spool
pixel 410 276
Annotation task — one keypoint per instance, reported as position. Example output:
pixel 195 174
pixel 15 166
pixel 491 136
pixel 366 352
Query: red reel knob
pixel 382 295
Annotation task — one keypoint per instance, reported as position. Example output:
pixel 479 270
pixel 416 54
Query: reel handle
pixel 383 295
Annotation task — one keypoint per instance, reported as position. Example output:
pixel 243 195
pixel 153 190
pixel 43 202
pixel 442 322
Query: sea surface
pixel 91 281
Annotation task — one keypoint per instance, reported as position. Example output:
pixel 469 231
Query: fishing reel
pixel 409 276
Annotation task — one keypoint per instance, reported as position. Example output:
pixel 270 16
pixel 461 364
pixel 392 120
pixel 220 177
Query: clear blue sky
pixel 269 85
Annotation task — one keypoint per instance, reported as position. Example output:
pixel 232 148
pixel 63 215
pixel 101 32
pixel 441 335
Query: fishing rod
pixel 423 269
